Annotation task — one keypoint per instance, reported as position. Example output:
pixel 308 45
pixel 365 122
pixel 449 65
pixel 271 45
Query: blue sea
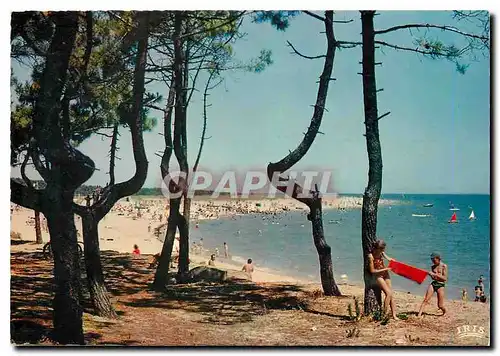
pixel 285 241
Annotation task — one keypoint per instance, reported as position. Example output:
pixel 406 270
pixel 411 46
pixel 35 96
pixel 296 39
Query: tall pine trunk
pixel 99 296
pixel 180 76
pixel 187 209
pixel 67 169
pixel 38 228
pixel 161 275
pixel 68 325
pixel 330 288
pixel 372 297
pixel 183 270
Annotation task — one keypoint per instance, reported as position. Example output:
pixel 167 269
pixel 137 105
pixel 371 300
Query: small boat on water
pixel 428 205
pixel 453 218
pixel 472 216
pixel 454 209
pixel 421 215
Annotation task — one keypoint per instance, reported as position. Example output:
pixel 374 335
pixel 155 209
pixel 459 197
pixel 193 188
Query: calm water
pixel 285 241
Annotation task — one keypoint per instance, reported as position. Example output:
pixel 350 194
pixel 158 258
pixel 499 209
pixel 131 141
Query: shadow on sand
pixel 127 279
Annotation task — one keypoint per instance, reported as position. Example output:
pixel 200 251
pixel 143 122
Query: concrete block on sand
pixel 207 274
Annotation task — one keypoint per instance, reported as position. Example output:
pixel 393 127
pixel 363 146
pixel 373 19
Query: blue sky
pixel 436 139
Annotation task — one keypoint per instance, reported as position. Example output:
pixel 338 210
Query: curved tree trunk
pixel 67 310
pixel 314 203
pixel 98 293
pixel 114 192
pixel 373 298
pixel 180 82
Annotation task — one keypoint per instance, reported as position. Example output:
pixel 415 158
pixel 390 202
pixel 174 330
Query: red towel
pixel 415 274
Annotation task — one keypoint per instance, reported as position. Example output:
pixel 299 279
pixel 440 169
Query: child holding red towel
pixel 439 275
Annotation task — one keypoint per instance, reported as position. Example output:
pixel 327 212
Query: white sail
pixel 472 216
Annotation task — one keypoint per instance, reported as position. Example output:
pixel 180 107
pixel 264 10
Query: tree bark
pixel 68 325
pixel 161 274
pixel 38 228
pixel 372 297
pixel 183 268
pixel 323 249
pixel 187 209
pixel 99 297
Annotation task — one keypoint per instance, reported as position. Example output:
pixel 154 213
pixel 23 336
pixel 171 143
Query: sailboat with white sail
pixel 472 216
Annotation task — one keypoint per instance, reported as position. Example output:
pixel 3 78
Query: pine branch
pixel 440 27
pixel 112 155
pixel 314 15
pixel 416 50
pixel 302 55
pixel 213 28
pixel 384 115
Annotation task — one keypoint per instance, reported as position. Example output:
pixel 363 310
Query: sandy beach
pixel 122 228
pixel 127 225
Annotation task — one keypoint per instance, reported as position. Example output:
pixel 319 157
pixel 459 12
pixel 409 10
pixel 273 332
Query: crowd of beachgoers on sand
pixel 142 220
pixel 156 208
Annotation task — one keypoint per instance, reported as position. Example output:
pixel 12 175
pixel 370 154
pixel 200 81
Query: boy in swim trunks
pixel 439 275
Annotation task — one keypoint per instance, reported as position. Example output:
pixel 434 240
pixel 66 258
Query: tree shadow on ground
pixel 232 302
pixel 31 288
pixel 414 313
pixel 28 332
pixel 20 242
pixel 127 278
pixel 125 274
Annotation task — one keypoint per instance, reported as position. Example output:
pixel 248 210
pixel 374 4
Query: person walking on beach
pixel 439 275
pixel 136 250
pixel 248 268
pixel 380 274
pixel 226 250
